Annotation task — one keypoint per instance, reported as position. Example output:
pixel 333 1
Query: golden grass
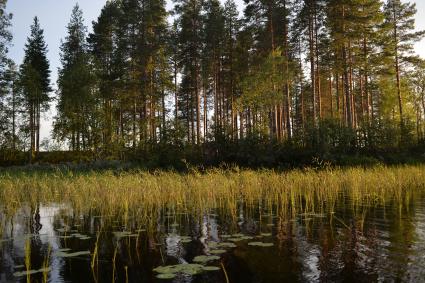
pixel 147 194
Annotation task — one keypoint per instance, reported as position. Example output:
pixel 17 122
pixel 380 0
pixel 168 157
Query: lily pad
pixel 226 245
pixel 205 258
pixel 211 268
pixel 266 234
pixel 166 276
pixel 189 269
pixel 235 239
pixel 64 254
pixel 260 244
pixel 217 252
pixel 237 235
pixel 247 238
pixel 29 272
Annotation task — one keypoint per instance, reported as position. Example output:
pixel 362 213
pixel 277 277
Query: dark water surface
pixel 351 243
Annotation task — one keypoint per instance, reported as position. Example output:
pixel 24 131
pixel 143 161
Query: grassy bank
pixel 146 194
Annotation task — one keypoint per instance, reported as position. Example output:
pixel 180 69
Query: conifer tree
pixel 75 101
pixel 400 21
pixel 35 80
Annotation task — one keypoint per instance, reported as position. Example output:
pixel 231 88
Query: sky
pixel 54 16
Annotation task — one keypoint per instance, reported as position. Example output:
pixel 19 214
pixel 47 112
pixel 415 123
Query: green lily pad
pixel 237 235
pixel 166 276
pixel 260 244
pixel 226 245
pixel 64 254
pixel 266 234
pixel 211 268
pixel 247 238
pixel 189 269
pixel 235 239
pixel 217 252
pixel 205 258
pixel 226 236
pixel 85 238
pixel 30 272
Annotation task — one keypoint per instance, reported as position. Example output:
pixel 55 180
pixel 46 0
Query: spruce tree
pixel 35 80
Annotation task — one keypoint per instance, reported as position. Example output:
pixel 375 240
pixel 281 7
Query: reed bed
pixel 147 194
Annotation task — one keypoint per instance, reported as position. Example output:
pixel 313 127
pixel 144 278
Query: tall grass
pixel 147 194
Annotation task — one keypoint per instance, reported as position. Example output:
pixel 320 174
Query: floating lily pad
pixel 166 276
pixel 29 272
pixel 189 269
pixel 64 254
pixel 217 252
pixel 247 238
pixel 266 234
pixel 211 268
pixel 226 236
pixel 85 238
pixel 237 235
pixel 205 258
pixel 260 244
pixel 235 239
pixel 226 245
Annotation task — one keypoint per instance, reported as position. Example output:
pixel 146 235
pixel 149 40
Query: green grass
pixel 143 193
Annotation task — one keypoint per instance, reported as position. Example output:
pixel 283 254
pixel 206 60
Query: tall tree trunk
pixel 312 64
pixel 287 94
pixel 397 70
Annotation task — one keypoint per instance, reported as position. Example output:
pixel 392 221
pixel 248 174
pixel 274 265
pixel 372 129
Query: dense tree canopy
pixel 316 75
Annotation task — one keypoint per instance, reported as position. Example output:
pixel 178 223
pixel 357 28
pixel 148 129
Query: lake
pixel 343 235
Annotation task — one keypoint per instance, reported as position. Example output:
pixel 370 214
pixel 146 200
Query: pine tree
pixel 107 68
pixel 75 101
pixel 400 21
pixel 190 42
pixel 5 79
pixel 35 80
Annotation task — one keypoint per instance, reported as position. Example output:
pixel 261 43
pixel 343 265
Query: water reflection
pixel 348 243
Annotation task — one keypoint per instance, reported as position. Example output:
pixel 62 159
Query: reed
pixel 146 194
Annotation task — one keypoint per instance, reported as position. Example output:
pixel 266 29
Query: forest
pixel 284 82
pixel 208 141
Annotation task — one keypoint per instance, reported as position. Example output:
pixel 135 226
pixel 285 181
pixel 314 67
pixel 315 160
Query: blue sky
pixel 54 16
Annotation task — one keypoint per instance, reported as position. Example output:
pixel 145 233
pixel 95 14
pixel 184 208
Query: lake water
pixel 377 242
